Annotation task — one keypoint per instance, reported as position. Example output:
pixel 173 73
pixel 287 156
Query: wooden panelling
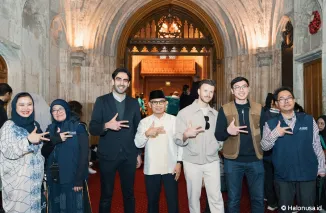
pixel 313 88
pixel 168 67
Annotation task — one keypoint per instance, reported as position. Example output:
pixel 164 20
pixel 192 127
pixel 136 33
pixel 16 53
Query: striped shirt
pixel 270 136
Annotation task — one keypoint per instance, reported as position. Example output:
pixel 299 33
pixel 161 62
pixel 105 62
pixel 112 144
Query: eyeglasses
pixel 207 124
pixel 60 110
pixel 285 100
pixel 243 87
pixel 156 103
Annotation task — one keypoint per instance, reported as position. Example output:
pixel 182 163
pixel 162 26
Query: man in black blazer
pixel 115 119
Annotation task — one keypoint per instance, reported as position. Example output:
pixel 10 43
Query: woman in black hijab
pixel 21 162
pixel 67 161
pixel 322 130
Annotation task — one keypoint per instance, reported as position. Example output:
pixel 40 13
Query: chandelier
pixel 169 27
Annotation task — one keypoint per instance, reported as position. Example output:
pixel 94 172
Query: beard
pixel 205 99
pixel 121 89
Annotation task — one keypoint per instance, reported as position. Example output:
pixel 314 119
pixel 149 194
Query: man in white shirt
pixel 162 156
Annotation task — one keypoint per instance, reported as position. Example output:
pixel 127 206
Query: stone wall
pixel 38 38
pixel 307 47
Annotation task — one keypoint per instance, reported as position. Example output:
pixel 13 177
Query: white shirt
pixel 161 152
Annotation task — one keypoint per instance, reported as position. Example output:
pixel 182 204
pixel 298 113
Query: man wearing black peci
pixel 115 119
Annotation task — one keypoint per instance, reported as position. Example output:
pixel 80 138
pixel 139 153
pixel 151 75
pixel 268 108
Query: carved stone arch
pixel 199 12
pixel 3 70
pixel 218 48
pixel 280 28
pixel 10 54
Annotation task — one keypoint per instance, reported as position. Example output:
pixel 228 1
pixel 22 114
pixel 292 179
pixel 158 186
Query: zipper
pixel 243 119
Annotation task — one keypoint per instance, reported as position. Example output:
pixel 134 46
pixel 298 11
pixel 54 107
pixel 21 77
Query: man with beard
pixel 195 127
pixel 297 153
pixel 115 119
pixel 238 125
pixel 5 96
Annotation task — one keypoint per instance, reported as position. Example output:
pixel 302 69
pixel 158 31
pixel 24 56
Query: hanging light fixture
pixel 169 26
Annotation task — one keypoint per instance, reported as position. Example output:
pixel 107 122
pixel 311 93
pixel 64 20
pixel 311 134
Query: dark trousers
pixel 153 190
pixel 234 172
pixel 305 193
pixel 269 188
pixel 126 168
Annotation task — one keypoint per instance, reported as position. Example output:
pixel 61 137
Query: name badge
pixel 73 133
pixel 303 128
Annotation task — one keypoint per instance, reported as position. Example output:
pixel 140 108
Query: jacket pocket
pixel 192 148
pixel 212 148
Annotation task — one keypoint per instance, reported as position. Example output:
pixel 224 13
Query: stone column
pixel 77 58
pixel 264 62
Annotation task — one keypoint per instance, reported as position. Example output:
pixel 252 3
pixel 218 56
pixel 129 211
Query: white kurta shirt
pixel 161 152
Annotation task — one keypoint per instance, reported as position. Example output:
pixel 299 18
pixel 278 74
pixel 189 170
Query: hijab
pixel 66 124
pixel 26 123
pixel 323 132
pixel 65 105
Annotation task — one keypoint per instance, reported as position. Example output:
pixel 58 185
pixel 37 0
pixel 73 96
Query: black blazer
pixel 112 142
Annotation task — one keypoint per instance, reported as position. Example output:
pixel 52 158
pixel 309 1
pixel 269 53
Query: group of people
pixel 249 136
pixel 29 154
pixel 193 139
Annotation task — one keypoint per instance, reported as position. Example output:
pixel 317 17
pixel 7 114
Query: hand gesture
pixel 153 132
pixel 235 130
pixel 192 132
pixel 177 171
pixel 78 188
pixel 283 130
pixel 34 137
pixel 64 135
pixel 115 125
pixel 139 162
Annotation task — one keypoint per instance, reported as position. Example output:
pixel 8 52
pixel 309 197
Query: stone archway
pixel 216 58
pixel 3 70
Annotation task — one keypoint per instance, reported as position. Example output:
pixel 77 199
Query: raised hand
pixel 192 132
pixel 235 130
pixel 283 130
pixel 153 132
pixel 115 125
pixel 65 135
pixel 77 188
pixel 34 137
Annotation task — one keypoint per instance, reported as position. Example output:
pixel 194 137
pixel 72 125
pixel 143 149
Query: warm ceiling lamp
pixel 169 26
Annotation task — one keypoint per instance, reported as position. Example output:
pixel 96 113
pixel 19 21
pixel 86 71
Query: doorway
pixel 313 88
pixel 3 70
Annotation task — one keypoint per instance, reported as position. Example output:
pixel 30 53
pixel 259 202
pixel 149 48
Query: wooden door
pixel 3 71
pixel 313 88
